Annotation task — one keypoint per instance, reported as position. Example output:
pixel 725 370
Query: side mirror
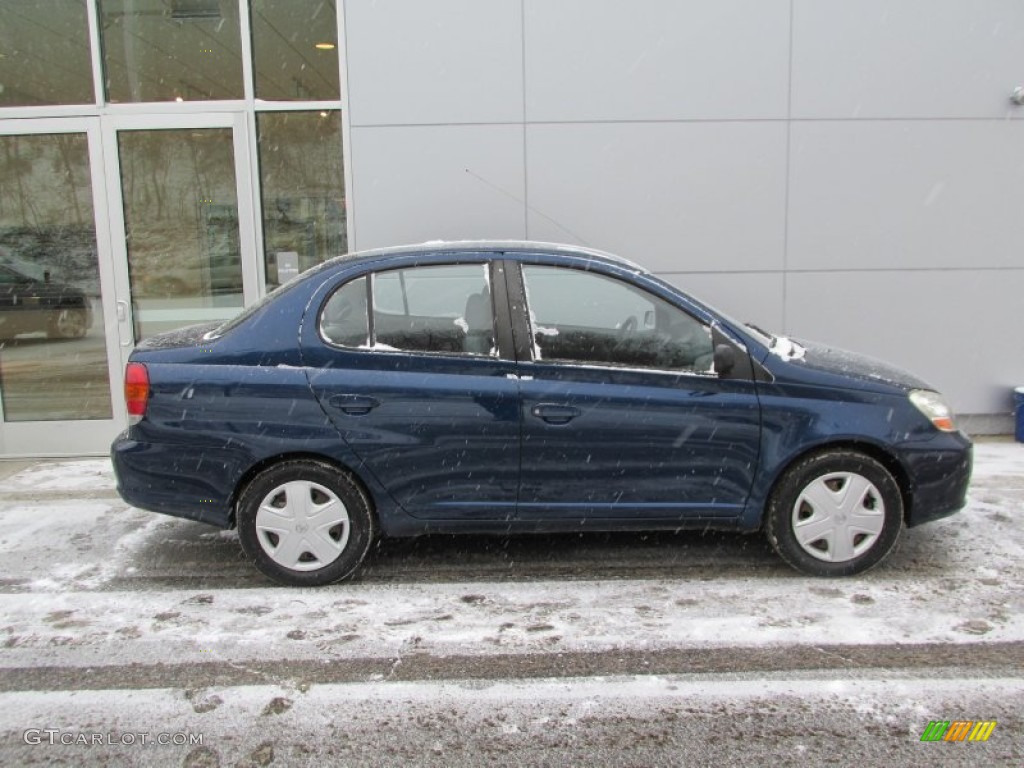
pixel 725 359
pixel 46 276
pixel 649 318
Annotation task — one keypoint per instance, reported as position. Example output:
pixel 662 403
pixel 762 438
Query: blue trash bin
pixel 1018 399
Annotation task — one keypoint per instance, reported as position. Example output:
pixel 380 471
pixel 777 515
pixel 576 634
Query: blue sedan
pixel 502 388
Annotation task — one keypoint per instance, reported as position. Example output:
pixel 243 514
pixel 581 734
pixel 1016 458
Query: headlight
pixel 935 409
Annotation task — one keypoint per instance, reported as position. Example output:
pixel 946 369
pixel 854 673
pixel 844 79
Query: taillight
pixel 136 391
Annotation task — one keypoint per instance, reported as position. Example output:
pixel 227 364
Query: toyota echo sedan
pixel 519 388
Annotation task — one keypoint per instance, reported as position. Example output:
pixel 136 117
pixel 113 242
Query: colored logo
pixel 958 730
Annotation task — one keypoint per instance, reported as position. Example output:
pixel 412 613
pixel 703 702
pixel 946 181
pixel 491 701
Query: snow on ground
pixel 66 596
pixel 80 475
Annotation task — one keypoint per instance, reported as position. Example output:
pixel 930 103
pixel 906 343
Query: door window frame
pixel 500 315
pixel 523 327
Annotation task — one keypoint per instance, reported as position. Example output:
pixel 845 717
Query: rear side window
pixel 344 320
pixel 584 317
pixel 435 309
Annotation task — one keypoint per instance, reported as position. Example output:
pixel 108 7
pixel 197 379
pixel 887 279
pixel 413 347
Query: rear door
pixel 623 416
pixel 415 368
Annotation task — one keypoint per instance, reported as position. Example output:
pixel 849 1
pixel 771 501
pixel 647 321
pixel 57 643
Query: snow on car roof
pixel 500 245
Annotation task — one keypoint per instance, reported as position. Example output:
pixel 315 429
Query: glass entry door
pixel 60 374
pixel 182 218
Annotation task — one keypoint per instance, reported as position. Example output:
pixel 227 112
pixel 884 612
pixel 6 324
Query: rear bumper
pixel 939 473
pixel 166 479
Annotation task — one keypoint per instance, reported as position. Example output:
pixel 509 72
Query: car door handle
pixel 555 414
pixel 353 405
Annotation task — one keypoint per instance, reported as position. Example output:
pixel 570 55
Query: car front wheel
pixel 305 523
pixel 835 513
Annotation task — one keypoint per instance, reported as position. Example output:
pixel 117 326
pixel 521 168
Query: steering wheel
pixel 627 326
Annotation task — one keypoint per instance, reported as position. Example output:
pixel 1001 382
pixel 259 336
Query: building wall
pixel 850 172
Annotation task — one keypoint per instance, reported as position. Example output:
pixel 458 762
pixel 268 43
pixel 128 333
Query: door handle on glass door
pixel 122 317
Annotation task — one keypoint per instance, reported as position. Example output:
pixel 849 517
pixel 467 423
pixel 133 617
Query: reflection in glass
pixel 181 225
pixel 53 352
pixel 303 191
pixel 434 309
pixel 295 50
pixel 610 322
pixel 171 50
pixel 44 53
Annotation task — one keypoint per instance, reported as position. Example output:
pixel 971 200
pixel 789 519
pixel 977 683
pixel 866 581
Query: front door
pixel 622 414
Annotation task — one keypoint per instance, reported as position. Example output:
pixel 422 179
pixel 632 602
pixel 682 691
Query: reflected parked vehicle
pixel 518 388
pixel 32 305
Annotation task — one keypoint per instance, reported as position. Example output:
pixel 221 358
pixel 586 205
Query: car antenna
pixel 529 207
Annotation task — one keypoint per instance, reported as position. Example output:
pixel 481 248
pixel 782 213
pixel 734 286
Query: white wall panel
pixel 907 58
pixel 442 61
pixel 687 59
pixel 906 194
pixel 425 183
pixel 671 196
pixel 960 331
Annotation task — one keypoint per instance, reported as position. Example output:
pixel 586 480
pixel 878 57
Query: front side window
pixel 583 317
pixel 439 309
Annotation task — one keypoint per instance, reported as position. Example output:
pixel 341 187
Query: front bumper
pixel 939 473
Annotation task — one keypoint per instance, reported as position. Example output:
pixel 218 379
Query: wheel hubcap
pixel 838 517
pixel 302 526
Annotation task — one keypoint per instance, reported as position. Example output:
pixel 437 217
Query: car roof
pixel 498 246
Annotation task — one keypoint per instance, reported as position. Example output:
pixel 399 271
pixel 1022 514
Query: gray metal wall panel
pixel 672 196
pixel 443 61
pixel 429 183
pixel 907 194
pixel 688 59
pixel 911 58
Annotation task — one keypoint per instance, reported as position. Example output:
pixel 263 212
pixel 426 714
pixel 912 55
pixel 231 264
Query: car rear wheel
pixel 68 323
pixel 305 523
pixel 835 513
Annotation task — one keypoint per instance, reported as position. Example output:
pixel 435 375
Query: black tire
pixel 850 499
pixel 286 541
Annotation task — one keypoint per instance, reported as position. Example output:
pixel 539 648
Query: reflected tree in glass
pixel 53 355
pixel 181 226
pixel 302 179
pixel 44 53
pixel 295 50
